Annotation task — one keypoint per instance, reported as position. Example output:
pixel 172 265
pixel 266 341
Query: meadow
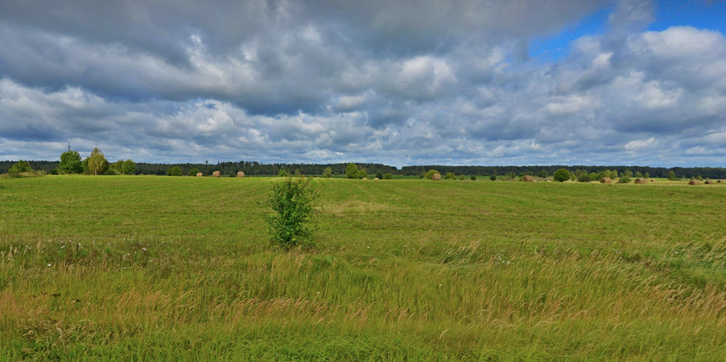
pixel 136 268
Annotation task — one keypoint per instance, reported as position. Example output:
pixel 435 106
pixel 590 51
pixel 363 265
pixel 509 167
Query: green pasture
pixel 152 268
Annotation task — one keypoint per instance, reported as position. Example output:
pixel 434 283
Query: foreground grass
pixel 163 268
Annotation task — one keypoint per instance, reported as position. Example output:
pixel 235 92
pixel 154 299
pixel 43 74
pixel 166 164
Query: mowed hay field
pixel 180 268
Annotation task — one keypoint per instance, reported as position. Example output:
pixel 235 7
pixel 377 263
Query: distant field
pixel 180 268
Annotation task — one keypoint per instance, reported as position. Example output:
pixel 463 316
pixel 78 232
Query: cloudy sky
pixel 475 82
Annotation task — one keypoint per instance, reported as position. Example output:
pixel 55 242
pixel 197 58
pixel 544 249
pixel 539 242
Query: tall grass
pixel 142 268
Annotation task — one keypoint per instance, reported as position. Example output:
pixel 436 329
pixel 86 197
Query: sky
pixel 399 82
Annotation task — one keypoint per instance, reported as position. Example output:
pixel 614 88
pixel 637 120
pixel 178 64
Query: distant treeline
pixel 252 168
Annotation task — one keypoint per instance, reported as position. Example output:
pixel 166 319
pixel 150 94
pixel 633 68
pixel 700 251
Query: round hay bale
pixel 708 182
pixel 651 180
pixel 527 178
pixel 376 179
pixel 694 182
pixel 365 178
pixel 240 174
pixel 606 180
pixel 720 181
pixel 640 181
pixel 200 174
pixel 437 176
pixel 216 174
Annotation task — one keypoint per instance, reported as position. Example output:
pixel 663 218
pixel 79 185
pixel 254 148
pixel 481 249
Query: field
pixel 135 268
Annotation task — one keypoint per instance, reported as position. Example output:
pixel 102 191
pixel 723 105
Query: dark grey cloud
pixel 327 81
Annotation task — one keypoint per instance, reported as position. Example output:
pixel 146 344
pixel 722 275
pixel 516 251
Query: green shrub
pixel 297 173
pixel 462 177
pixel 112 172
pixel 293 202
pixel 493 177
pixel 20 166
pixel 388 176
pixel 671 175
pixel 473 177
pixel 584 178
pixel 362 173
pixel 379 175
pixel 328 172
pixel 351 171
pixel 430 174
pixel 561 175
pixel 283 173
pixel 194 171
pixel 70 162
pixel 174 171
pixel 624 180
pixel 450 176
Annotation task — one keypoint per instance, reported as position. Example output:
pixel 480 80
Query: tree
pixel 117 167
pixel 70 162
pixel 194 171
pixel 297 173
pixel 128 167
pixel 430 174
pixel 638 174
pixel 388 176
pixel 351 171
pixel 543 174
pixel 362 173
pixel 174 171
pixel 379 175
pixel 84 164
pixel 493 177
pixel 646 175
pixel 450 176
pixel 97 163
pixel 672 175
pixel 328 172
pixel 561 175
pixel 584 178
pixel 283 173
pixel 293 203
pixel 20 166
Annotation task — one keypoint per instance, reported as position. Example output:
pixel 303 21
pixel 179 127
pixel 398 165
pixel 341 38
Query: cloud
pixel 362 81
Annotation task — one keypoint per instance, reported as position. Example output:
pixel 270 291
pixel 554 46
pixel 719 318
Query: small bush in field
pixel 379 175
pixel 493 177
pixel 174 171
pixel 193 172
pixel 473 177
pixel 388 176
pixel 293 202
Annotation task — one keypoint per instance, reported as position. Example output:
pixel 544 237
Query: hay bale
pixel 240 174
pixel 527 178
pixel 651 180
pixel 365 178
pixel 606 180
pixel 376 179
pixel 708 182
pixel 640 181
pixel 694 182
pixel 216 174
pixel 720 181
pixel 437 176
pixel 200 174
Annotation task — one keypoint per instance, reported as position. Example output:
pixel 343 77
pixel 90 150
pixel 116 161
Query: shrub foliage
pixel 293 202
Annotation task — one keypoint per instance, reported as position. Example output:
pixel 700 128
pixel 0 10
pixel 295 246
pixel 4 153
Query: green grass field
pixel 180 268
